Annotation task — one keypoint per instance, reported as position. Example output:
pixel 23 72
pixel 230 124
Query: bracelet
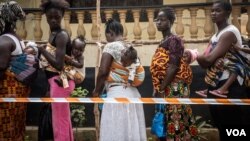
pixel 161 91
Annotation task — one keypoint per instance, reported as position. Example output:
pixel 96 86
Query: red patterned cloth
pixel 12 115
pixel 180 123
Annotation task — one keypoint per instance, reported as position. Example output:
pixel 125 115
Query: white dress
pixel 121 122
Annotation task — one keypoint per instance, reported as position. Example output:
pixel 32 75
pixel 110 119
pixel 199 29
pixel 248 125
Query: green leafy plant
pixel 201 123
pixel 78 109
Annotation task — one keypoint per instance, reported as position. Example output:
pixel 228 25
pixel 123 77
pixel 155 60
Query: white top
pixel 214 41
pixel 19 44
pixel 115 49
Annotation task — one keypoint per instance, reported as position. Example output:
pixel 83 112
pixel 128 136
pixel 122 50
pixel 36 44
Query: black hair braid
pixel 114 26
pixel 58 4
pixel 170 14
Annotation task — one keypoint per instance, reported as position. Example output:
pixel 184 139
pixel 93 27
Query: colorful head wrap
pixel 10 12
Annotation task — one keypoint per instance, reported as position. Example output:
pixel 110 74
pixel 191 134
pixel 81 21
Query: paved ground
pixel 88 134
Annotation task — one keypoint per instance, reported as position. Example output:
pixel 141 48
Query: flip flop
pixel 202 93
pixel 219 93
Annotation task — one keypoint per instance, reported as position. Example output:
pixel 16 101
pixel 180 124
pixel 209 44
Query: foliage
pixel 201 123
pixel 78 109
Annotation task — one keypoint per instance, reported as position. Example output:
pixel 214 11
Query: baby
pixel 31 48
pixel 77 60
pixel 130 60
pixel 24 66
pixel 74 68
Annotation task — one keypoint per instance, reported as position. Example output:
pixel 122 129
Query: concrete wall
pixel 146 51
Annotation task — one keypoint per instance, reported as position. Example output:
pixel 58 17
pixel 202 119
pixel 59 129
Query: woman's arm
pixel 223 45
pixel 246 50
pixel 6 48
pixel 171 72
pixel 175 53
pixel 103 73
pixel 61 42
pixel 78 63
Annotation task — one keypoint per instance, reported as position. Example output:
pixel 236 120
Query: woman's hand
pixel 219 63
pixel 159 94
pixel 99 44
pixel 68 60
pixel 236 47
pixel 95 94
pixel 187 56
pixel 41 47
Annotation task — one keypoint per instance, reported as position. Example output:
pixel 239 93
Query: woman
pixel 61 121
pixel 171 78
pixel 13 115
pixel 221 42
pixel 123 122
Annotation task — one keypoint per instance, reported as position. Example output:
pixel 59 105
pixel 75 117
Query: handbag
pixel 45 128
pixel 158 127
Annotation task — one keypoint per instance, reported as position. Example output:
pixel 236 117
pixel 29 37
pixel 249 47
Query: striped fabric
pixel 119 74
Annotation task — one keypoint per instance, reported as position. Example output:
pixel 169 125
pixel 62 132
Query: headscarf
pixel 10 12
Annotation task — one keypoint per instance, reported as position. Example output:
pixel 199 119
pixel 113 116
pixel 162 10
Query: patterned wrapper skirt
pixel 12 115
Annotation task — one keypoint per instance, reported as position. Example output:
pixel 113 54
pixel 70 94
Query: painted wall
pixel 145 52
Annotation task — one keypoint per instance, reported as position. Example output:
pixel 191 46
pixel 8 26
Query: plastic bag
pixel 158 127
pixel 45 129
pixel 100 105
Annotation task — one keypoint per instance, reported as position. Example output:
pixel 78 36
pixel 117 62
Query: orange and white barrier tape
pixel 199 101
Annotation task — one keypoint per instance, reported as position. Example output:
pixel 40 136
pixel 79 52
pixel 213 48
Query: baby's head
pixel 78 46
pixel 129 56
pixel 31 48
pixel 190 55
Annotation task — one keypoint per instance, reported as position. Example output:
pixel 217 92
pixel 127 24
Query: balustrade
pixel 122 16
pixel 194 17
pixel 38 33
pixel 80 28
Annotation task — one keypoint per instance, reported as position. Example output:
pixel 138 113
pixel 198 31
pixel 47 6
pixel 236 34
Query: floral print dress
pixel 179 120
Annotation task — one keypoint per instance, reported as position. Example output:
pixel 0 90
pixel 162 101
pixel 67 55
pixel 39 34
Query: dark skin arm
pixel 6 47
pixel 78 64
pixel 171 72
pixel 175 55
pixel 225 42
pixel 103 73
pixel 246 50
pixel 58 61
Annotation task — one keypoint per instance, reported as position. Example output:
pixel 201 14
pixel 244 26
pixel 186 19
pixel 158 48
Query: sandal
pixel 219 93
pixel 202 93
